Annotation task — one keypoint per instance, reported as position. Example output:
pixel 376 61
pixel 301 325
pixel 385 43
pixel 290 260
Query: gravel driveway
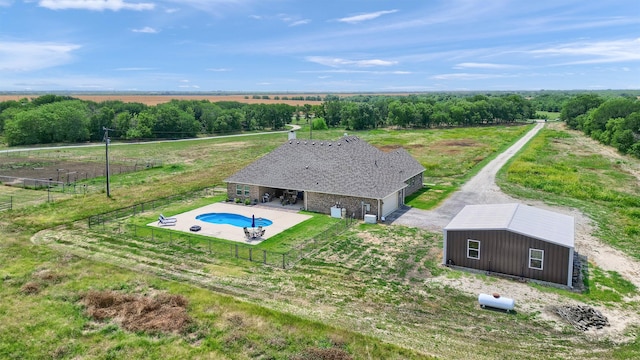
pixel 481 189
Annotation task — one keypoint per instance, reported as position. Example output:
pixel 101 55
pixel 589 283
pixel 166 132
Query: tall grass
pixel 552 168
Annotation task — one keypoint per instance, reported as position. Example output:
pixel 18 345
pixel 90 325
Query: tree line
pixel 613 120
pixel 63 119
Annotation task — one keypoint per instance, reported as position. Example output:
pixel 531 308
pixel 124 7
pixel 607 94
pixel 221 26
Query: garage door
pixel 389 204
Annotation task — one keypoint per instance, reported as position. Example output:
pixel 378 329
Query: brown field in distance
pixel 149 99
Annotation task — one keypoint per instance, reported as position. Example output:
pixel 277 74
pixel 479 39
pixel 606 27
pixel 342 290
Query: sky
pixel 318 46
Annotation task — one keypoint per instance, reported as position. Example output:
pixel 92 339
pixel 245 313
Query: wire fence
pixel 308 247
pixel 112 223
pixel 137 209
pixel 51 182
pixel 194 243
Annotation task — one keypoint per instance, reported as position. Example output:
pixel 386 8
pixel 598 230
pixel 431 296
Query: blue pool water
pixel 232 219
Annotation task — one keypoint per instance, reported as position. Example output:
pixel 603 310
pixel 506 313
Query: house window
pixel 243 190
pixel 473 249
pixel 536 259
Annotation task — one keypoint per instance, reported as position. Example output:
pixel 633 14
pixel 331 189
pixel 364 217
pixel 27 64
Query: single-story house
pixel 512 239
pixel 347 173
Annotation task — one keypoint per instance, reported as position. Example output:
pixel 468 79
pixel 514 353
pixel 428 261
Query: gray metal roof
pixel 348 167
pixel 522 219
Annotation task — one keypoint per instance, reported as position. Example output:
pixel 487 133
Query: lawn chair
pixel 167 219
pixel 246 233
pixel 166 223
pixel 261 234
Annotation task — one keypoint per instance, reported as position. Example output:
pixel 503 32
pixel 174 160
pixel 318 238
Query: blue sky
pixel 318 46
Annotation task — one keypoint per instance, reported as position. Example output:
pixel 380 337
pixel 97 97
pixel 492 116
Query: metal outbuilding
pixel 512 239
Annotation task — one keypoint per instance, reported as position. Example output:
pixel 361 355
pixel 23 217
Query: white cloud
pixel 337 62
pixel 5 2
pixel 465 76
pixel 95 5
pixel 30 56
pixel 365 17
pixel 300 22
pixel 474 65
pixel 353 71
pixel 595 52
pixel 146 30
pixel 218 69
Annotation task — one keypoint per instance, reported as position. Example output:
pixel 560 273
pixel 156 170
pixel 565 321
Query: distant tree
pixel 319 124
pixel 332 109
pixel 577 106
pixel 104 118
pixel 64 121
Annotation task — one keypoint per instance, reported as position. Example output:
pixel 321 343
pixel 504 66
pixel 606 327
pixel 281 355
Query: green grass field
pixel 373 292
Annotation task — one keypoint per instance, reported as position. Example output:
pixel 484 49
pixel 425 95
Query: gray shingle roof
pixel 522 219
pixel 348 167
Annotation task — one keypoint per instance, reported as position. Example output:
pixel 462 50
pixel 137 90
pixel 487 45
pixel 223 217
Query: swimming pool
pixel 233 219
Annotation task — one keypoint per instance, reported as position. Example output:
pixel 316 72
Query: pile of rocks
pixel 581 317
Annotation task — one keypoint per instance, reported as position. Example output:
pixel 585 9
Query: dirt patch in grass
pixel 389 148
pixel 160 313
pixel 452 146
pixel 323 354
pixel 67 171
pixel 29 288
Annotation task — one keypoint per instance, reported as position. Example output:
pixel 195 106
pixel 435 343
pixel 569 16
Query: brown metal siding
pixel 508 253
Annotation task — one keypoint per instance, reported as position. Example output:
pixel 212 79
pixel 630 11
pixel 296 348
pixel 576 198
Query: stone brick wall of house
pixel 253 192
pixel 415 184
pixel 322 203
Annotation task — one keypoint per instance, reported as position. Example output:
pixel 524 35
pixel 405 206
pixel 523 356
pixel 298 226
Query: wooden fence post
pixel 283 262
pixel 264 256
pixel 250 254
pixel 236 251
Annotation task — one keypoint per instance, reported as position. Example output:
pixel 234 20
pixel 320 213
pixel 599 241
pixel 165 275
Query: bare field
pixel 150 99
pixel 160 99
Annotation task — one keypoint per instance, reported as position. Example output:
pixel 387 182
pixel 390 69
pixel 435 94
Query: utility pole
pixel 106 151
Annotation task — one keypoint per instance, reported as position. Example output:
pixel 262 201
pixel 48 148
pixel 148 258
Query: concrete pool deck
pixel 282 220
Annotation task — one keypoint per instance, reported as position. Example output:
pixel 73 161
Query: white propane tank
pixel 496 301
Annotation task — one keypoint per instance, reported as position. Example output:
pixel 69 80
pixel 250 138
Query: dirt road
pixel 481 189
